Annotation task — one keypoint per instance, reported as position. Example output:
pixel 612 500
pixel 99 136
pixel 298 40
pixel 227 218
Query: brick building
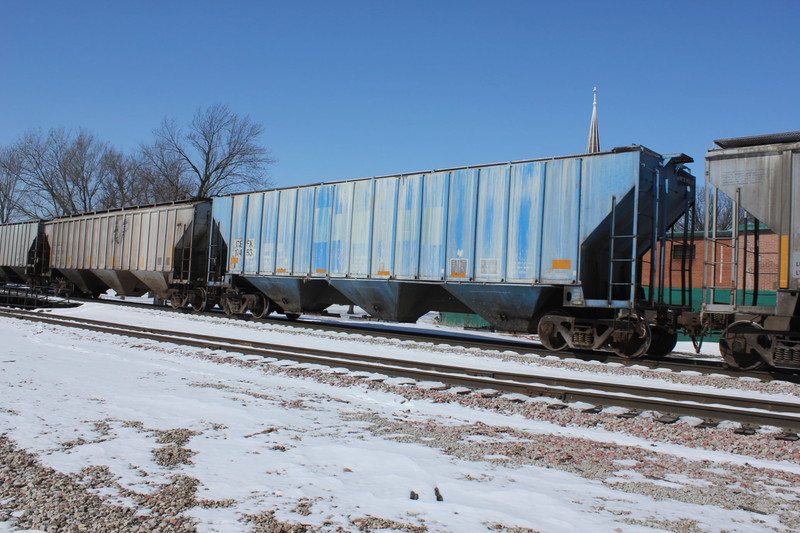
pixel 757 265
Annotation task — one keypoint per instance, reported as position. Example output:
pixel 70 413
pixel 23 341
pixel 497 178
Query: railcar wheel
pixel 227 306
pixel 199 300
pixel 662 341
pixel 292 316
pixel 262 306
pixel 631 339
pixel 176 301
pixel 733 346
pixel 548 332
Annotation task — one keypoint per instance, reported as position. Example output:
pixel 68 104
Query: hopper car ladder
pixel 630 260
pixel 720 272
pixel 184 260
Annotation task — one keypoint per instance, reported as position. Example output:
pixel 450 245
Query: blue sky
pixel 349 89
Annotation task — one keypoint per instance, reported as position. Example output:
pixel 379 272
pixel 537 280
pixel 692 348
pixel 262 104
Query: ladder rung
pixel 623 236
pixel 623 260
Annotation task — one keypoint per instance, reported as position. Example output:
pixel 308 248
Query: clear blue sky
pixel 350 89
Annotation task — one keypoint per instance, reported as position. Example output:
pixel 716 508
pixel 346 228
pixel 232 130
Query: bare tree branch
pixel 126 182
pixel 164 173
pixel 219 149
pixel 62 174
pixel 56 173
pixel 10 184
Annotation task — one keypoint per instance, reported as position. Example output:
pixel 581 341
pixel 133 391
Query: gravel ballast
pixel 755 479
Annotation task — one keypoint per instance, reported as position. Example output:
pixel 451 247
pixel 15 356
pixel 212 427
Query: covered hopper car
pixel 761 175
pixel 131 250
pixel 21 251
pixel 552 245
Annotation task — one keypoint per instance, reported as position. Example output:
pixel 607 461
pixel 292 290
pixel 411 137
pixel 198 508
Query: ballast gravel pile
pixel 35 497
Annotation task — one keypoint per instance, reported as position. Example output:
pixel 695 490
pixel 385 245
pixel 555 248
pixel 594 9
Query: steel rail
pixel 676 364
pixel 751 411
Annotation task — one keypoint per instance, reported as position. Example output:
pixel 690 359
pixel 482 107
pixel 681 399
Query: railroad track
pixel 674 363
pixel 710 406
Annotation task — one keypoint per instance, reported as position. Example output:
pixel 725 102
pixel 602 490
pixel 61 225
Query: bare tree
pixel 125 181
pixel 164 173
pixel 220 151
pixel 56 173
pixel 724 212
pixel 10 192
pixel 62 174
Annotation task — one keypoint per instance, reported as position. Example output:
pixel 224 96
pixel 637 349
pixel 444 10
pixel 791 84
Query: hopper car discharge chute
pixel 571 248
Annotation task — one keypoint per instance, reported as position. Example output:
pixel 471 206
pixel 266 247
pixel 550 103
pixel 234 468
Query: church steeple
pixel 594 131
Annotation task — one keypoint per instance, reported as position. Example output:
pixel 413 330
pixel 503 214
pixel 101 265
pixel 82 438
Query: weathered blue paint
pixel 434 227
pixel 284 249
pixel 320 250
pixel 303 231
pixel 361 236
pixel 512 223
pixel 252 234
pixel 605 176
pixel 562 202
pixel 461 218
pixel 341 229
pixel 238 227
pixel 409 196
pixel 269 232
pixel 523 224
pixel 492 224
pixel 384 222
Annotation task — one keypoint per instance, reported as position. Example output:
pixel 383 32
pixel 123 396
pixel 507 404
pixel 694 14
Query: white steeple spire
pixel 594 131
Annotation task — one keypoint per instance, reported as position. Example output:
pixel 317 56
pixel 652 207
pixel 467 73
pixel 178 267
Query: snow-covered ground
pixel 272 443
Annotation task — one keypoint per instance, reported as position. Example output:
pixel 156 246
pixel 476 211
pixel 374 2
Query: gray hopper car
pixel 20 251
pixel 132 250
pixel 761 175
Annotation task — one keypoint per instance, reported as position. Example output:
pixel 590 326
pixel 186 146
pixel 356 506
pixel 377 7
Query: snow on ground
pixel 348 458
pixel 420 351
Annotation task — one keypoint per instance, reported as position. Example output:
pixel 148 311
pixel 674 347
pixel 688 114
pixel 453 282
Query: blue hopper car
pixel 552 246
